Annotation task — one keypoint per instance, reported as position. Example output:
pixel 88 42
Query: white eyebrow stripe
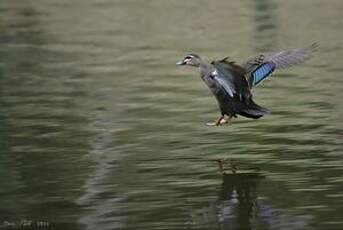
pixel 190 56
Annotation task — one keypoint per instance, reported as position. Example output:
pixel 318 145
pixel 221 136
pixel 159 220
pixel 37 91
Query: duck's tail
pixel 253 110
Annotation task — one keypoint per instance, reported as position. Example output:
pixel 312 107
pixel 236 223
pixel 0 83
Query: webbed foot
pixel 220 121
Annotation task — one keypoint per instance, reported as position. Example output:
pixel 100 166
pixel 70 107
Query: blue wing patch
pixel 261 73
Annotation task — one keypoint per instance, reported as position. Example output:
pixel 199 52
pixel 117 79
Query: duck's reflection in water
pixel 239 206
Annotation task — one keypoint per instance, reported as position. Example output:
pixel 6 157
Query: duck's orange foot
pixel 220 121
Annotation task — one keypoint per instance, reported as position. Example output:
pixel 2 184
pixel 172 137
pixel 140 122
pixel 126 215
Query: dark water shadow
pixel 242 203
pixel 238 199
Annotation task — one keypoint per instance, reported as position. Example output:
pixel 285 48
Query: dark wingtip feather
pixel 310 50
pixel 313 47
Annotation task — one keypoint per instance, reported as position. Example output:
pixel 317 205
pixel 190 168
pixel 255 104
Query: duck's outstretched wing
pixel 262 66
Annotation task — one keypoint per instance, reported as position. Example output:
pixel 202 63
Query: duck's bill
pixel 180 63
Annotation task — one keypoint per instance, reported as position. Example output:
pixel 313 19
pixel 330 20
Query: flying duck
pixel 231 83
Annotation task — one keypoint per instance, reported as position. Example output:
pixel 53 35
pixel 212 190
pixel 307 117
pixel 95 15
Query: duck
pixel 232 83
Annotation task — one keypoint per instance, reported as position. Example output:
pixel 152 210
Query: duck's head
pixel 191 60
